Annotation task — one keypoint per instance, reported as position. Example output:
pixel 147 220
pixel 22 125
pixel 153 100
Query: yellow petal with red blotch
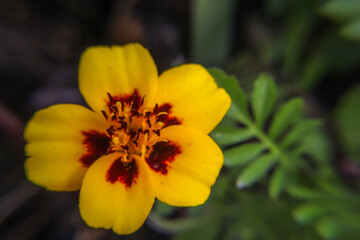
pixel 55 145
pixel 118 71
pixel 185 167
pixel 195 98
pixel 122 201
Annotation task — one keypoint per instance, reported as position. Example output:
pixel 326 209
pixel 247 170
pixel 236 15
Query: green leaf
pixel 313 70
pixel 287 114
pixel 256 170
pixel 318 145
pixel 351 31
pixel 330 54
pixel 307 213
pixel 340 225
pixel 329 228
pixel 341 10
pixel 226 122
pixel 300 20
pixel 236 114
pixel 263 98
pixel 227 135
pixel 299 131
pixel 242 154
pixel 238 107
pixel 277 183
pixel 347 116
pixel 303 193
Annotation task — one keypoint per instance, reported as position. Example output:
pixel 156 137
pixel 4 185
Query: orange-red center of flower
pixel 134 133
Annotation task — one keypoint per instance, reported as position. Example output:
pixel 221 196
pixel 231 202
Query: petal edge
pixel 55 145
pixel 194 96
pixel 191 174
pixel 118 71
pixel 112 205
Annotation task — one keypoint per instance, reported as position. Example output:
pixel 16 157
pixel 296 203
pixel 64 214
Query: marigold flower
pixel 146 137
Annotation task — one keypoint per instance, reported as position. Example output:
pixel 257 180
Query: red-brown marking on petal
pixel 96 144
pixel 167 119
pixel 161 155
pixel 126 173
pixel 134 100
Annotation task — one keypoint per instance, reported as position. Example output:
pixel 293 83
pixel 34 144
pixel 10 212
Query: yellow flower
pixel 146 137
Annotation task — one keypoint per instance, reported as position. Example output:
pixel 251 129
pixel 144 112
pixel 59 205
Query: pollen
pixel 132 126
pixel 134 134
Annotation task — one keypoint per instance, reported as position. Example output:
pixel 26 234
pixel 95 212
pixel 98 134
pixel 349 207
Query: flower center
pixel 132 126
pixel 134 134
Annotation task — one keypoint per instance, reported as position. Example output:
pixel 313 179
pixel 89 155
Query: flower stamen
pixel 134 134
pixel 132 125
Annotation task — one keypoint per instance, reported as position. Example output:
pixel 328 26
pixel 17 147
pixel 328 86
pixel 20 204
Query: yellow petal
pixel 55 145
pixel 118 71
pixel 114 204
pixel 195 98
pixel 186 179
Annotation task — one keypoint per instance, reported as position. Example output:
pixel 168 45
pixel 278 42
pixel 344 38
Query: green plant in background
pixel 291 138
pixel 302 48
pixel 345 12
pixel 283 143
pixel 347 117
pixel 333 210
pixel 288 141
pixel 282 170
pixel 317 55
pixel 212 26
pixel 264 140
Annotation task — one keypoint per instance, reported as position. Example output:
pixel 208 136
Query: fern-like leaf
pixel 258 147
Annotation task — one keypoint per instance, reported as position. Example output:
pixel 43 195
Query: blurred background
pixel 310 47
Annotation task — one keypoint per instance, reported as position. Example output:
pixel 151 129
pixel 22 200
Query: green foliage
pixel 330 55
pixel 238 109
pixel 287 114
pixel 267 141
pixel 227 134
pixel 301 19
pixel 352 30
pixel 307 213
pixel 341 10
pixel 346 12
pixel 318 145
pixel 335 212
pixel 347 117
pixel 305 48
pixel 300 130
pixel 263 139
pixel 242 154
pixel 277 182
pixel 260 148
pixel 212 28
pixel 263 98
pixel 257 217
pixel 231 215
pixel 256 170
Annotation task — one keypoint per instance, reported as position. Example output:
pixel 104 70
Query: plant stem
pixel 279 153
